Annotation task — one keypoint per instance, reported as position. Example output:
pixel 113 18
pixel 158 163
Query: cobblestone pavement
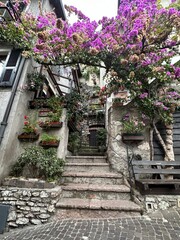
pixel 157 226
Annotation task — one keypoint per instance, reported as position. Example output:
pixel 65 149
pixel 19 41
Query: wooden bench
pixel 150 176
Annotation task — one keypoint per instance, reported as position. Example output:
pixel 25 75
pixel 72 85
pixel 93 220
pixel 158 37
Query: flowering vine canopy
pixel 135 47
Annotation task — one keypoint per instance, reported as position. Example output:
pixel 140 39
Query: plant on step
pixel 74 141
pixel 101 138
pixel 39 163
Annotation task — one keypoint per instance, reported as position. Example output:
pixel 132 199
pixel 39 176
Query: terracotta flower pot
pixel 49 144
pixel 46 125
pixel 28 137
pixel 44 112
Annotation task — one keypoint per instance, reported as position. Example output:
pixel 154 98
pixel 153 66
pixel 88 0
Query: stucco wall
pixel 10 147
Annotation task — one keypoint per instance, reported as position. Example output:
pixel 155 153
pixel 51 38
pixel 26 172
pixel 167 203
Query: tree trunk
pixel 151 144
pixel 167 145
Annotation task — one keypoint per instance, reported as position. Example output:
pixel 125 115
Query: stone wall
pixel 161 202
pixel 117 150
pixel 32 203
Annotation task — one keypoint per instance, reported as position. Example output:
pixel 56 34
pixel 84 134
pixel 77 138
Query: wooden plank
pixel 156 171
pixel 158 151
pixel 159 181
pixel 155 163
pixel 161 157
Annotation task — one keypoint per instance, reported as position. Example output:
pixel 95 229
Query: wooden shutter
pixel 10 68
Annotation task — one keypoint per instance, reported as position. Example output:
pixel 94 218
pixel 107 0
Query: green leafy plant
pixel 41 163
pixel 35 80
pixel 56 102
pixel 74 142
pixel 75 105
pixel 101 136
pixel 49 138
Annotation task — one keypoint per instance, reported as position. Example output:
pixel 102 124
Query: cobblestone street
pixel 158 226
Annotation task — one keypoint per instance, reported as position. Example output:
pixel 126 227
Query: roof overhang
pixel 58 8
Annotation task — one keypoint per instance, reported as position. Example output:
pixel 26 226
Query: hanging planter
pixel 48 141
pixel 49 144
pixel 38 103
pixel 28 137
pixel 132 137
pixel 47 124
pixel 44 112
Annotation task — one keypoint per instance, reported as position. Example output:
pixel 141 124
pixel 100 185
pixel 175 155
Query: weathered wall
pixel 28 205
pixel 117 150
pixel 10 147
pixel 161 202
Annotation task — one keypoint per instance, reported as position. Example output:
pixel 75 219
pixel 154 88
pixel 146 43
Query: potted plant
pixel 38 103
pixel 29 131
pixel 44 112
pixel 38 162
pixel 35 81
pixel 53 120
pixel 133 127
pixel 48 141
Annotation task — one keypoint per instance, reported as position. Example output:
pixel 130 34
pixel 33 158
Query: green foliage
pixel 44 162
pixel 35 80
pixel 101 137
pixel 87 70
pixel 74 141
pixel 74 104
pixel 48 138
pixel 55 102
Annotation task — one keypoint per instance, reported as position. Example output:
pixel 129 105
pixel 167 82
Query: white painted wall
pixel 11 147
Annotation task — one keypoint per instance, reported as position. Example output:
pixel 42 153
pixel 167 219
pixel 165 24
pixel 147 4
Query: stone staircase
pixel 91 190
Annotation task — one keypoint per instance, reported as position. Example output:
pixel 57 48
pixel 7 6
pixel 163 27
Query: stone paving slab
pixel 164 226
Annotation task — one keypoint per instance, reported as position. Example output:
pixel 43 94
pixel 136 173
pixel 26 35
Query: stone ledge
pixel 27 183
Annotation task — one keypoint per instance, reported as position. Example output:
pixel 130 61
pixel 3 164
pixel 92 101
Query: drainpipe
pixel 4 122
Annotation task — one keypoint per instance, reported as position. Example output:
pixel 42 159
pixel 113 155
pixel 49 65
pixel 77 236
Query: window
pixel 9 62
pixel 3 57
pixel 8 12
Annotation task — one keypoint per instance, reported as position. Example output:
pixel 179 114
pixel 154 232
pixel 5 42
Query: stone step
pixel 92 177
pixel 96 204
pixel 93 191
pixel 93 214
pixel 90 153
pixel 84 167
pixel 86 159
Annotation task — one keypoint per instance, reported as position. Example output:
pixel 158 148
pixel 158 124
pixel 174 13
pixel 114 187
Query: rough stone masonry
pixel 32 204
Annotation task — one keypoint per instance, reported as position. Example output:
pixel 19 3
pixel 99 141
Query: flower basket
pixel 132 137
pixel 49 144
pixel 44 112
pixel 38 103
pixel 28 137
pixel 48 124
